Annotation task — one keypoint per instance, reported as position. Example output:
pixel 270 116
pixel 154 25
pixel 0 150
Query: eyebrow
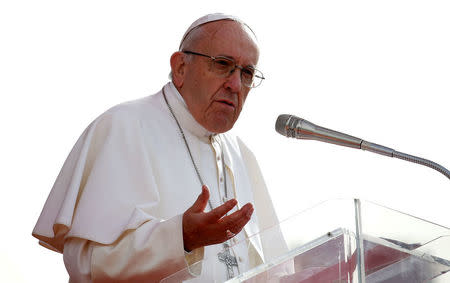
pixel 232 58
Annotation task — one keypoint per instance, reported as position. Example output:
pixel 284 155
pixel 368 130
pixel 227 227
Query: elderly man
pixel 154 185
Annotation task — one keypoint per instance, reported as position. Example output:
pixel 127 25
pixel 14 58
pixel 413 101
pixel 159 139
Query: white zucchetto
pixel 211 18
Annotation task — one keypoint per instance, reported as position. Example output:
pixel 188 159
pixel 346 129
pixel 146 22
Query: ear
pixel 178 65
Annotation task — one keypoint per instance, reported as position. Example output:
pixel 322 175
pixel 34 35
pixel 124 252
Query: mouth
pixel 227 102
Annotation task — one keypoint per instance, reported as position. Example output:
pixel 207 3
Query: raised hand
pixel 208 228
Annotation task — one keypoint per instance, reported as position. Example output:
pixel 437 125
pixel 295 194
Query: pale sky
pixel 377 70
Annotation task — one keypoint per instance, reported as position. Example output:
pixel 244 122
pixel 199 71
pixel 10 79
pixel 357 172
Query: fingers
pixel 236 221
pixel 218 212
pixel 202 229
pixel 201 202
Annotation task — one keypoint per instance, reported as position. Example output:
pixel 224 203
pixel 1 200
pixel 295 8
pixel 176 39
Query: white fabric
pixel 208 19
pixel 130 171
pixel 149 253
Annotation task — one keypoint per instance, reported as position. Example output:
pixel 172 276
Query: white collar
pixel 185 118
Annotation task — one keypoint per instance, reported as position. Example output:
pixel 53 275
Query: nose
pixel 233 81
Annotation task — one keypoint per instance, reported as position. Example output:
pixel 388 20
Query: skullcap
pixel 211 18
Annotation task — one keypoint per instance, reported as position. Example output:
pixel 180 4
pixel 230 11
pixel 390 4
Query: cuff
pixel 194 260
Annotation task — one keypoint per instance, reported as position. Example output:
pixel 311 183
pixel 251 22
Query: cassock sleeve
pixel 98 206
pixel 147 254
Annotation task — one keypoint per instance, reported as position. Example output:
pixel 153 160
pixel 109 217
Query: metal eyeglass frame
pixel 260 77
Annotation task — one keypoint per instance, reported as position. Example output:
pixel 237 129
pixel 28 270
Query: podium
pixel 341 240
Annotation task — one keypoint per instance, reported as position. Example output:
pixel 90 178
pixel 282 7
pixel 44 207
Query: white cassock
pixel 116 208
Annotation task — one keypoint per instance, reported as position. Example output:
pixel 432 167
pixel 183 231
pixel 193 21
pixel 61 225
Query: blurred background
pixel 378 70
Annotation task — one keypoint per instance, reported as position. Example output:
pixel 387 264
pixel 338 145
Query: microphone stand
pixel 294 127
pixel 372 147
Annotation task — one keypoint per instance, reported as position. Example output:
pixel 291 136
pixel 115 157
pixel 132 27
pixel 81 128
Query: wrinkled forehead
pixel 230 39
pixel 226 27
pixel 224 38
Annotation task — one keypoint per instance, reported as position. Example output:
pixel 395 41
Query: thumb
pixel 202 200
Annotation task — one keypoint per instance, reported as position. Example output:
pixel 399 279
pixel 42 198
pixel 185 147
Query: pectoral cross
pixel 228 260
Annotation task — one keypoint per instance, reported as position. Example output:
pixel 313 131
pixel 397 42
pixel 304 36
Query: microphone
pixel 295 127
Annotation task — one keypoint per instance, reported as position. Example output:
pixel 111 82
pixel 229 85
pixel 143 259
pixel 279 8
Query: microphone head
pixel 280 124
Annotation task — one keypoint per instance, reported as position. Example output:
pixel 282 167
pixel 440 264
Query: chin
pixel 220 123
pixel 220 130
pixel 220 126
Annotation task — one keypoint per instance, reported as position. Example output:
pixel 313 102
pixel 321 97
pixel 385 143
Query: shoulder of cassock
pixel 104 180
pixel 107 181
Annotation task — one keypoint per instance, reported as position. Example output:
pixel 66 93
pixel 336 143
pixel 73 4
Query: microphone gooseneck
pixel 295 127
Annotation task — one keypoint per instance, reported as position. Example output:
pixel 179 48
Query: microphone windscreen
pixel 280 124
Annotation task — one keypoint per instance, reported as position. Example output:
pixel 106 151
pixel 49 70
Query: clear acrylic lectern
pixel 342 240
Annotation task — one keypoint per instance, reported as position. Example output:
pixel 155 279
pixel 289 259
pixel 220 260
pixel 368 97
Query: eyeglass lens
pixel 249 76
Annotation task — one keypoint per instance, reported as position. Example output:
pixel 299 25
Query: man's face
pixel 215 101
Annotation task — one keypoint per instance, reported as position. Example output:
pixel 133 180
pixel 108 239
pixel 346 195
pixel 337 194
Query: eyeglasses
pixel 224 66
